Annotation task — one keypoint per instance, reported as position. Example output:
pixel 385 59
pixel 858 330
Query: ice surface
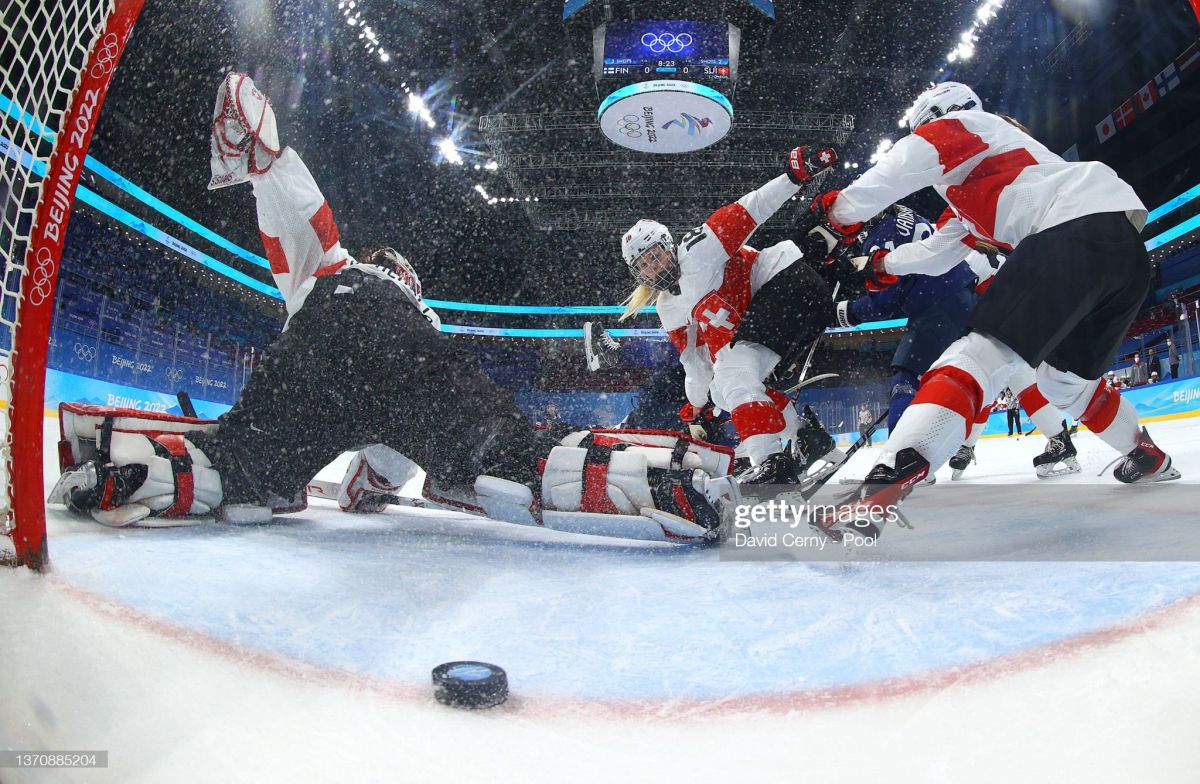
pixel 609 644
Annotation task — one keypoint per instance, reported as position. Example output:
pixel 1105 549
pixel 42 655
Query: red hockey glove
pixel 689 414
pixel 805 162
pixel 875 276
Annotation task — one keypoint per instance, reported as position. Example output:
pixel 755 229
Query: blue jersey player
pixel 937 307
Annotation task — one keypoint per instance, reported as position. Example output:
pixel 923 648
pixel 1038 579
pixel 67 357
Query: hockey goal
pixel 58 58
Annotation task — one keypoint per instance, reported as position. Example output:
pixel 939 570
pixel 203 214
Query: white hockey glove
pixel 245 140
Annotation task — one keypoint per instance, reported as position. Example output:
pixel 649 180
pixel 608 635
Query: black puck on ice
pixel 469 684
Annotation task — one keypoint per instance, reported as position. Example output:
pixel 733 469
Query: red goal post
pixel 58 60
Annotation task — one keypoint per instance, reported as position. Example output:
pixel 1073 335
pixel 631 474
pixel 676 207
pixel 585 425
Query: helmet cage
pixel 664 272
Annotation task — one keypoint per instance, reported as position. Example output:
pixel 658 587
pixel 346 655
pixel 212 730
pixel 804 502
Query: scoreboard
pixel 676 49
pixel 665 85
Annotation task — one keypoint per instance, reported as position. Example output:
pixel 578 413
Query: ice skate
pixel 871 505
pixel 599 347
pixel 776 469
pixel 964 457
pixel 813 451
pixel 1058 459
pixel 1146 463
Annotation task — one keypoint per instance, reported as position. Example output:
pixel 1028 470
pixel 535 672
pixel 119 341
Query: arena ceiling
pixel 346 111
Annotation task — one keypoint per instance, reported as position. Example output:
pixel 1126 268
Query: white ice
pixel 301 651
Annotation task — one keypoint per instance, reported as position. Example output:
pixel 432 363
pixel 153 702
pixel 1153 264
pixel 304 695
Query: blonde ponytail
pixel 639 298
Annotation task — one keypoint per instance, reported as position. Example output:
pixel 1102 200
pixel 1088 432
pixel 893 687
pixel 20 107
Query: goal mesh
pixel 58 59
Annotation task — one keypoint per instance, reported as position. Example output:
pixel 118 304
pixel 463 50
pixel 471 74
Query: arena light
pixel 417 103
pixel 881 150
pixel 963 51
pixel 449 151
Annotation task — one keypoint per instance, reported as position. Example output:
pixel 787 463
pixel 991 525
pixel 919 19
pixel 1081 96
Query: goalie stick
pixel 654 527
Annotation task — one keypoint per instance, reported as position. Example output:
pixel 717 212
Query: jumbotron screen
pixel 679 49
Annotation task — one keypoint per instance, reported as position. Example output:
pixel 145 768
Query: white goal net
pixel 58 59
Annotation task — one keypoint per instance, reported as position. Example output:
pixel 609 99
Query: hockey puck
pixel 469 684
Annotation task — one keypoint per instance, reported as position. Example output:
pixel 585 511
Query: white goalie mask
pixel 940 100
pixel 392 261
pixel 649 251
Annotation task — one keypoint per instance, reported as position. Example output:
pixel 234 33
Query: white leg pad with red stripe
pixel 969 374
pixel 180 480
pixel 1093 402
pixel 179 486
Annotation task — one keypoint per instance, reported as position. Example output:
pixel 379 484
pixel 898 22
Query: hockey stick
pixel 806 382
pixel 655 527
pixel 810 491
pixel 813 348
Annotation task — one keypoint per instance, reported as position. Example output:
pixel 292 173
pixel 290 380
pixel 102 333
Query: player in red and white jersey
pixel 295 222
pixel 928 257
pixel 1075 277
pixel 703 292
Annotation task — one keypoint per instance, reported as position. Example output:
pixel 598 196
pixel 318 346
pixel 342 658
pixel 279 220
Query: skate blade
pixel 1053 472
pixel 1162 476
pixel 956 474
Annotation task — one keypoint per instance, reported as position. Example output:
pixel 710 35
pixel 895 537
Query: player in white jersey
pixel 1067 227
pixel 361 363
pixel 703 291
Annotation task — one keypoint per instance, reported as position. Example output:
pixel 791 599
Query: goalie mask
pixel 649 252
pixel 391 260
pixel 940 100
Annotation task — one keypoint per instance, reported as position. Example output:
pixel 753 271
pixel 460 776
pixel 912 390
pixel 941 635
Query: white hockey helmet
pixel 392 261
pixel 940 100
pixel 649 252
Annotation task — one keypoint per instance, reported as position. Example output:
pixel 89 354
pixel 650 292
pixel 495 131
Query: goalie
pixel 361 362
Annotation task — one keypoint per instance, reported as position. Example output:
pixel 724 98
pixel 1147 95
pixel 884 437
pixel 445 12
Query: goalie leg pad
pixel 124 465
pixel 147 473
pixel 620 481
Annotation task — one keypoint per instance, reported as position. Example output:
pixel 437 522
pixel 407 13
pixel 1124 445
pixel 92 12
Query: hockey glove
pixel 805 162
pixel 844 317
pixel 244 140
pixel 874 274
pixel 817 235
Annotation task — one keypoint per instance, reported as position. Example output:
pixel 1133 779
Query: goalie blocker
pixel 124 467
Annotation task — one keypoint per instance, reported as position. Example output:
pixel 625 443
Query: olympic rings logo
pixel 630 125
pixel 85 352
pixel 43 272
pixel 108 50
pixel 174 374
pixel 667 42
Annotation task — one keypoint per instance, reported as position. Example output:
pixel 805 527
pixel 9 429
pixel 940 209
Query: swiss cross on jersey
pixel 718 320
pixel 719 312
